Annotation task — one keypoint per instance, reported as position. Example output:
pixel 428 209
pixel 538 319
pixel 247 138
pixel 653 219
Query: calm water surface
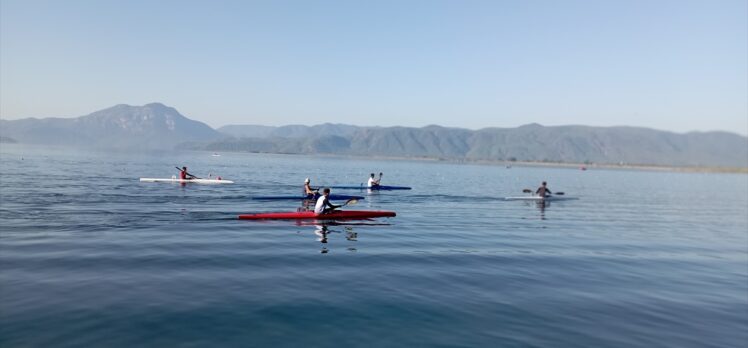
pixel 89 256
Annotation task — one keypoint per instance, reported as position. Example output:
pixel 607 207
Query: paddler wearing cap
pixel 308 190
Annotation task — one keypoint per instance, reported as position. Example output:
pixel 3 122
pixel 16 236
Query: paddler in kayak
pixel 374 182
pixel 184 175
pixel 543 190
pixel 309 192
pixel 323 205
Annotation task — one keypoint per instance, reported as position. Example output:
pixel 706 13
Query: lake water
pixel 91 257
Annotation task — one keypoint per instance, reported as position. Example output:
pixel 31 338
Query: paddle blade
pixel 559 193
pixel 351 201
pixel 526 191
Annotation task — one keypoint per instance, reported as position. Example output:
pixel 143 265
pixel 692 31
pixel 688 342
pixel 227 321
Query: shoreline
pixel 506 163
pixel 587 166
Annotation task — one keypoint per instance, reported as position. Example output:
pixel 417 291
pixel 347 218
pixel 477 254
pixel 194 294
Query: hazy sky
pixel 670 65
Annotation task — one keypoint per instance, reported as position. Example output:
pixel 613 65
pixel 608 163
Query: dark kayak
pixel 310 215
pixel 373 188
pixel 297 198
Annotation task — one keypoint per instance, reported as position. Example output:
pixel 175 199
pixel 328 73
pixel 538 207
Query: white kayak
pixel 540 199
pixel 191 181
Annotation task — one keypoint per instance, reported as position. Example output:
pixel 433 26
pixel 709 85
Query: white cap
pixel 306 180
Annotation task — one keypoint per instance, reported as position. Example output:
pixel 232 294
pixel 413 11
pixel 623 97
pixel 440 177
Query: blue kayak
pixel 310 197
pixel 374 188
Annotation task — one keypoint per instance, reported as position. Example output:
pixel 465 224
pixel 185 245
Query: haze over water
pixel 89 256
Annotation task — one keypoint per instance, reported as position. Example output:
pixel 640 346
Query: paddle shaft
pixel 185 172
pixel 530 191
pixel 350 201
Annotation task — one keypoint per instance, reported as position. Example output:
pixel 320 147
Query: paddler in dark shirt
pixel 543 190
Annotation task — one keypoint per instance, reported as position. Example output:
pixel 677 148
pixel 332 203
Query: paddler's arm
pixel 332 206
pixel 310 190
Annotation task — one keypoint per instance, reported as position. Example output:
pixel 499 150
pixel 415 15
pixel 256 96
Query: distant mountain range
pixel 158 126
pixel 533 142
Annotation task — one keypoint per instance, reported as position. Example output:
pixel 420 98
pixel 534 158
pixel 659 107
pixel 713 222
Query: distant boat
pixel 216 155
pixel 583 168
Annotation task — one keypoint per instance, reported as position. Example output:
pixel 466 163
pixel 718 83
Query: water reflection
pixel 323 232
pixel 541 206
pixel 307 204
pixel 328 233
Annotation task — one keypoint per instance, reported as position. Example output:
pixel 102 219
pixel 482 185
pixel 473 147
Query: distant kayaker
pixel 323 203
pixel 374 182
pixel 308 190
pixel 184 175
pixel 543 190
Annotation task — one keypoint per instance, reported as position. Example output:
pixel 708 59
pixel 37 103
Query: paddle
pixel 530 191
pixel 351 201
pixel 188 174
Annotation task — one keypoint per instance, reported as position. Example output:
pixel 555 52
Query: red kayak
pixel 309 215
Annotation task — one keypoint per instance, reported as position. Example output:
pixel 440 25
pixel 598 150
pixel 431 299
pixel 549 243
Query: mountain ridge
pixel 531 142
pixel 153 125
pixel 157 126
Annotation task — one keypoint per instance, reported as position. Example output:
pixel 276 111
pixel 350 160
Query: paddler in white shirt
pixel 323 205
pixel 374 182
